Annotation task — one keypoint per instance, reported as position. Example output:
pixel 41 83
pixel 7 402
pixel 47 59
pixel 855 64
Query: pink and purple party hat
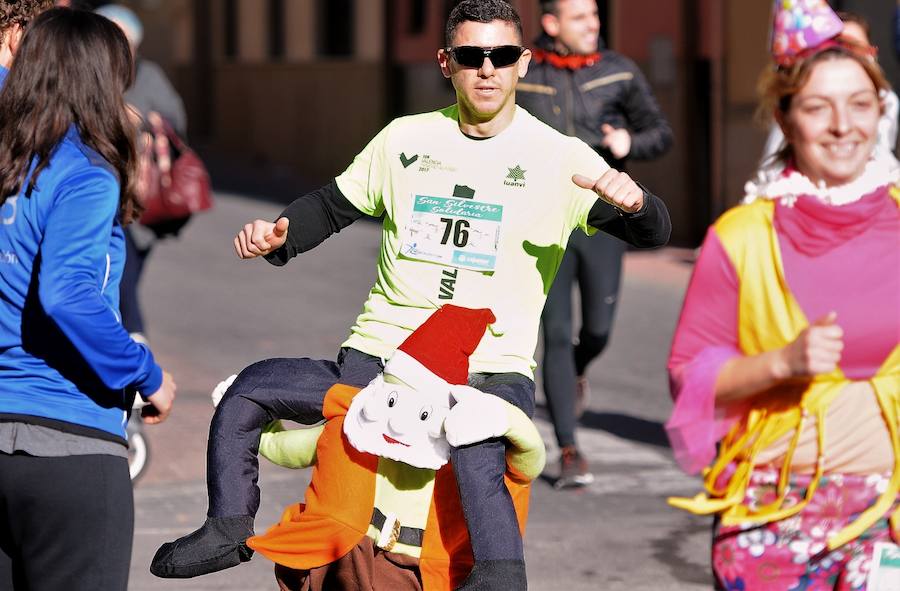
pixel 800 26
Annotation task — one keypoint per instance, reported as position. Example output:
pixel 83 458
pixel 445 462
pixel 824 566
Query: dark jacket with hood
pixel 578 94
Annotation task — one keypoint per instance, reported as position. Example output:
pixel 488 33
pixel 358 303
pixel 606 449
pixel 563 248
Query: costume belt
pixel 392 532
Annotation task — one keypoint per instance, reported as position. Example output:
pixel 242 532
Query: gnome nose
pixel 399 425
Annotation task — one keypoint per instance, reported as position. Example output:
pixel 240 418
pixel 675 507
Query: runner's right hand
pixel 260 238
pixel 160 401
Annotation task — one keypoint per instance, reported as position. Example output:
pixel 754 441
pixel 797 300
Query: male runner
pixel 479 200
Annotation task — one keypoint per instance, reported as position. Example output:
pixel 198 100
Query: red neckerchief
pixel 563 62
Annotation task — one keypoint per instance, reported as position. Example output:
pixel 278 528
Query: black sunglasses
pixel 472 56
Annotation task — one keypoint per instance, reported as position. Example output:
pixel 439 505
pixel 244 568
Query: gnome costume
pixel 383 507
pixel 295 389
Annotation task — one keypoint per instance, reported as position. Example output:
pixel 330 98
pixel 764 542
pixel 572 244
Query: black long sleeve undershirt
pixel 648 228
pixel 313 218
pixel 317 215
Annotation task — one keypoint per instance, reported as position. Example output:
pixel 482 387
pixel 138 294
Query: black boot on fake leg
pixel 496 575
pixel 217 545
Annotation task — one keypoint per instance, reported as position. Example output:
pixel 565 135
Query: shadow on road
pixel 669 550
pixel 627 427
pixel 620 425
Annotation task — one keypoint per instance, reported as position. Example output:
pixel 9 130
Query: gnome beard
pixel 390 419
pixel 400 414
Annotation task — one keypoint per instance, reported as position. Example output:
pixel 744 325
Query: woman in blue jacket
pixel 68 369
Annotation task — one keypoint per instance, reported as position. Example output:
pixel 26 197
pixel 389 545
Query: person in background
pixel 599 96
pixel 14 18
pixel 68 369
pixel 856 30
pixel 151 95
pixel 785 366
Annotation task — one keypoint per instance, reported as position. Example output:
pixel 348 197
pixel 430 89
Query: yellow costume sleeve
pixel 295 448
pixel 526 455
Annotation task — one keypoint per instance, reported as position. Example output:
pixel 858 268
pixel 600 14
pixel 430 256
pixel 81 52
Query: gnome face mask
pixel 389 419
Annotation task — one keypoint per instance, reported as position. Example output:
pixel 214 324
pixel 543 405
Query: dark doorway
pixel 336 20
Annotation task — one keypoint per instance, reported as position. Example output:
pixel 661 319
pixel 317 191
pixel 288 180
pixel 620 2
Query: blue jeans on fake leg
pixel 479 469
pixel 289 389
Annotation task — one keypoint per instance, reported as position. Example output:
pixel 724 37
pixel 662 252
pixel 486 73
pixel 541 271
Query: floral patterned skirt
pixel 790 555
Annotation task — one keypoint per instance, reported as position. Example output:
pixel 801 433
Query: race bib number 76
pixel 456 232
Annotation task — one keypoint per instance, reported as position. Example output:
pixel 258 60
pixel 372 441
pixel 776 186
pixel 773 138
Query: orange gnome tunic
pixel 340 502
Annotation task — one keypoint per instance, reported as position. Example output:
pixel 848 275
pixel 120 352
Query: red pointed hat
pixel 437 353
pixel 801 26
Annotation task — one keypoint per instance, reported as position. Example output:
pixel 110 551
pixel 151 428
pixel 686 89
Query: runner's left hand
pixel 616 188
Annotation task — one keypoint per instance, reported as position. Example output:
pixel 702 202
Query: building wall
pixel 300 20
pixel 301 111
pixel 290 115
pixel 747 55
pixel 650 33
pixel 168 33
pixel 312 113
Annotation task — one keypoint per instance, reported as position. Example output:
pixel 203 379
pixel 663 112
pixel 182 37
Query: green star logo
pixel 516 174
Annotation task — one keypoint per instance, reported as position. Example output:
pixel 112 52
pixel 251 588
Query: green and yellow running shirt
pixel 481 223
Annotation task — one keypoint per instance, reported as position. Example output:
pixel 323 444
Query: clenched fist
pixel 816 350
pixel 161 401
pixel 260 237
pixel 616 188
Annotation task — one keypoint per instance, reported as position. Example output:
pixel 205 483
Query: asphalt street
pixel 210 314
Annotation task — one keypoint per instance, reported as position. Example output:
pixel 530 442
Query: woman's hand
pixel 160 401
pixel 815 351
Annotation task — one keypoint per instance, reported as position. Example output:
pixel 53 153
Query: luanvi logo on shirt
pixel 516 177
pixel 407 161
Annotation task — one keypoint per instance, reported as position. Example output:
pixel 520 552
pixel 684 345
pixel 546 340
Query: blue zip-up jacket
pixel 64 355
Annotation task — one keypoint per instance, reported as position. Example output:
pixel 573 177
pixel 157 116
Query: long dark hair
pixel 71 69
